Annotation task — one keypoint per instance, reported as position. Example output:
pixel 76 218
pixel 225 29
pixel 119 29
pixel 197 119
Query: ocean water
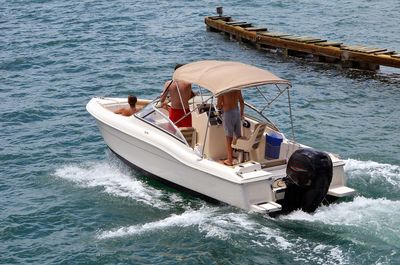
pixel 65 199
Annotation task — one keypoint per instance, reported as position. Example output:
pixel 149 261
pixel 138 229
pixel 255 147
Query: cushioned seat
pixel 245 145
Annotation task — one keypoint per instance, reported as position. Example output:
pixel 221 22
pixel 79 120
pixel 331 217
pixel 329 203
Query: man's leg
pixel 229 150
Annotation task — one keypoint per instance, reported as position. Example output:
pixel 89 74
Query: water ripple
pixel 60 189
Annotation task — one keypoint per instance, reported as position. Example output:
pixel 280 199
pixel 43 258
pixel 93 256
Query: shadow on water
pixel 386 75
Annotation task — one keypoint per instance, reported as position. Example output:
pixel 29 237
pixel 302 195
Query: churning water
pixel 66 200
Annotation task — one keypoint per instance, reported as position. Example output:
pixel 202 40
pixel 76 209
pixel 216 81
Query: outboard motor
pixel 309 174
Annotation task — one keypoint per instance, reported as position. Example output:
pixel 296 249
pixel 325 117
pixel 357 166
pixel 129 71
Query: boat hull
pixel 184 173
pixel 164 181
pixel 247 185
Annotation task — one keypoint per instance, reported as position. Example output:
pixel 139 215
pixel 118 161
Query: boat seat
pixel 190 135
pixel 246 145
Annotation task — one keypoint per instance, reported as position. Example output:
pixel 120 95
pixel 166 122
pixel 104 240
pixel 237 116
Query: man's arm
pixel 164 94
pixel 192 94
pixel 123 112
pixel 220 102
pixel 241 103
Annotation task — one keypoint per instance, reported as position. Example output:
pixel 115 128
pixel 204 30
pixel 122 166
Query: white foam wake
pixel 373 171
pixel 236 227
pixel 115 182
pixel 379 215
pixel 210 222
pixel 188 218
pixel 347 213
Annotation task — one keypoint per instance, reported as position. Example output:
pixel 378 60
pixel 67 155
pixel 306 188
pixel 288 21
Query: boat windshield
pixel 155 117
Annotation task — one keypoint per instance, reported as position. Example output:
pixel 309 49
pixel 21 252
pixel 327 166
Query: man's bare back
pixel 230 101
pixel 185 91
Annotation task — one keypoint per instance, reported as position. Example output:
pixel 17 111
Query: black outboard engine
pixel 309 174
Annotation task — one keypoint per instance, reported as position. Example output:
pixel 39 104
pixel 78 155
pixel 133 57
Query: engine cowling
pixel 309 174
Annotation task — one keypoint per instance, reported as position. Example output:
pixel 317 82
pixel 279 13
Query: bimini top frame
pixel 219 77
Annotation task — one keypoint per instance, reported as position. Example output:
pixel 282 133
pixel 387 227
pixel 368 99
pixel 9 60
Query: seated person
pixel 179 92
pixel 132 107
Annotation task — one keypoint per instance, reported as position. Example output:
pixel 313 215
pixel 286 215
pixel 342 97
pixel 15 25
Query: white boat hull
pixel 177 166
pixel 246 186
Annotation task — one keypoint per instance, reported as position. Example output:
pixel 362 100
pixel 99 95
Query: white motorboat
pixel 272 173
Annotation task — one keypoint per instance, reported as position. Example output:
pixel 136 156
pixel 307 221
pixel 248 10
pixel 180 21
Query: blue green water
pixel 64 199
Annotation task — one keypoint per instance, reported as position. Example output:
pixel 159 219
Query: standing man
pixel 232 117
pixel 179 92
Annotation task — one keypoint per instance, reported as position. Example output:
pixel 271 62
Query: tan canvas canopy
pixel 221 76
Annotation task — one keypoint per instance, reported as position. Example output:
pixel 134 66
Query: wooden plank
pixel 256 29
pixel 240 24
pixel 235 22
pixel 316 42
pixel 397 55
pixel 291 37
pixel 303 38
pixel 306 39
pixel 296 38
pixel 375 50
pixel 273 34
pixel 355 48
pixel 329 43
pixel 311 41
pixel 243 25
pixel 298 46
pixel 364 49
pixel 220 17
pixel 386 52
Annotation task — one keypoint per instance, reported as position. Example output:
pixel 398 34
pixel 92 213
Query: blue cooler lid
pixel 274 138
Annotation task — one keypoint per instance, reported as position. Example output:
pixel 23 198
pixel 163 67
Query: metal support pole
pixel 290 113
pixel 208 125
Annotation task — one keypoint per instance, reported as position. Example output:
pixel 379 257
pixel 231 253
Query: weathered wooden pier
pixel 360 57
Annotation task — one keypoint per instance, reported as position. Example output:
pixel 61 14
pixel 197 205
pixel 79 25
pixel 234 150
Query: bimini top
pixel 221 76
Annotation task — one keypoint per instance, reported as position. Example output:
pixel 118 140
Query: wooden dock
pixel 321 50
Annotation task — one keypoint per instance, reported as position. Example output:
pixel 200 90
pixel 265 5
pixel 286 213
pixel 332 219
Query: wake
pixel 114 181
pixel 371 171
pixel 378 217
